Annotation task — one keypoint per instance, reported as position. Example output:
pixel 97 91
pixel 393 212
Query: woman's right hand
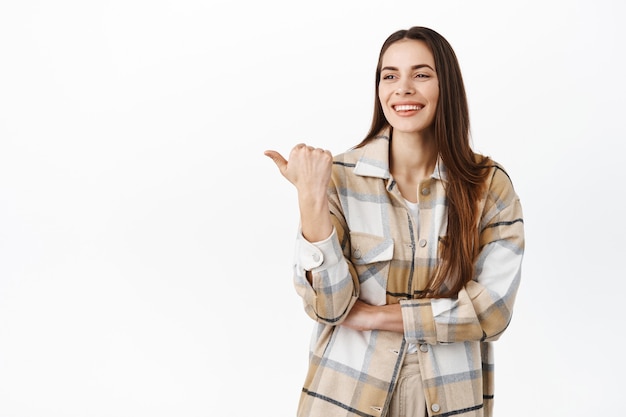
pixel 308 168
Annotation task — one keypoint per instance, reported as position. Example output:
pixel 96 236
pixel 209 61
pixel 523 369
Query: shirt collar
pixel 374 160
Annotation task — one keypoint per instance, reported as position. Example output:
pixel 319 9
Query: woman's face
pixel 408 88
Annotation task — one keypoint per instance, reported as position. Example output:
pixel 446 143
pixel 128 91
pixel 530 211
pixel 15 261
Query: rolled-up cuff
pixel 318 255
pixel 419 323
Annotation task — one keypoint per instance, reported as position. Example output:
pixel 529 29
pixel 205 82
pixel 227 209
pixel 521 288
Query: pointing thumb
pixel 278 159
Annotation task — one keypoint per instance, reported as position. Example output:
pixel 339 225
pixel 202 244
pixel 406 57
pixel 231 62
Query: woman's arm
pixel 483 308
pixel 324 279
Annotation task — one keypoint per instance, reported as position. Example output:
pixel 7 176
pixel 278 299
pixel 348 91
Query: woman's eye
pixel 389 77
pixel 421 76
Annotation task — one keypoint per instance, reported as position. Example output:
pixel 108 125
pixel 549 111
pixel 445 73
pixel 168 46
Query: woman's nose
pixel 405 90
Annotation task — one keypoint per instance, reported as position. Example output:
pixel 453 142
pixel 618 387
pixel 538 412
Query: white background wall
pixel 146 242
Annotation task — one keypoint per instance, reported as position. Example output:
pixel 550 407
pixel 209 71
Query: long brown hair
pixel 466 171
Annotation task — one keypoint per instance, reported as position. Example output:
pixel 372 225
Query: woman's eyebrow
pixel 414 67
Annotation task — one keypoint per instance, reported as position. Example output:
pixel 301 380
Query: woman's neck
pixel 412 156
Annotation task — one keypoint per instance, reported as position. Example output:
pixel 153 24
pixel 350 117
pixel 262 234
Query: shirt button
pixel 316 257
pixel 425 191
pixel 356 254
pixel 422 243
pixel 435 407
pixel 424 347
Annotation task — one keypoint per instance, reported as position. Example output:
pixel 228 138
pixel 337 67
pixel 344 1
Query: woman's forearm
pixel 315 218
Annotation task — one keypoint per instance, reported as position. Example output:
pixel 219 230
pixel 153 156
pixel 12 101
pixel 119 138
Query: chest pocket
pixel 371 256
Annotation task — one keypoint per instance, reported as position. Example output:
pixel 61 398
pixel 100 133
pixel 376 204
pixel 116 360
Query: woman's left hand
pixel 365 317
pixel 360 316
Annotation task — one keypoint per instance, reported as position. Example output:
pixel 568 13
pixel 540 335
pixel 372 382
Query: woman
pixel 409 256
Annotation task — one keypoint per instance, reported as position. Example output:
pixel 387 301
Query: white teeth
pixel 407 107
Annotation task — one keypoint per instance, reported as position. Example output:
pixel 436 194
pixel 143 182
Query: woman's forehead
pixel 408 52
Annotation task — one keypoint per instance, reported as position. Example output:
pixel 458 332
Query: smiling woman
pixel 410 249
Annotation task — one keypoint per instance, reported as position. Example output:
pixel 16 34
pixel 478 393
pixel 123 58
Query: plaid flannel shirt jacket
pixel 379 253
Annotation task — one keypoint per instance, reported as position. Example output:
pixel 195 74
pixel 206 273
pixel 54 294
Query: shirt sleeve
pixel 331 292
pixel 482 309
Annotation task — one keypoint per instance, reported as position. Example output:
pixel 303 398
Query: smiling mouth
pixel 407 107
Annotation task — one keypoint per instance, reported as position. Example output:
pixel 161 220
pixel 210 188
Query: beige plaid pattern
pixel 380 253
